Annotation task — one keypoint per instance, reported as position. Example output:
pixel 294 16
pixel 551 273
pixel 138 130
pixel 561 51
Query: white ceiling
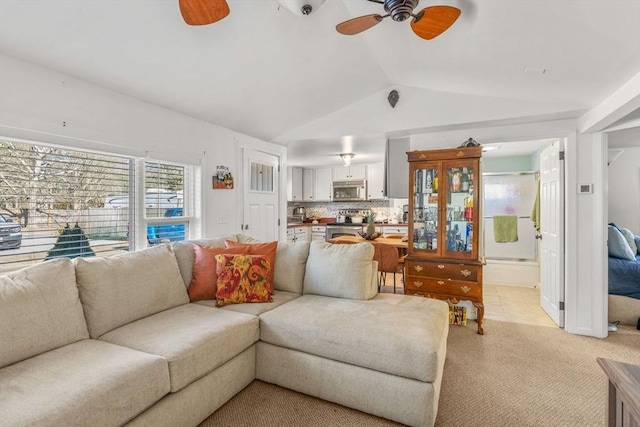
pixel 294 80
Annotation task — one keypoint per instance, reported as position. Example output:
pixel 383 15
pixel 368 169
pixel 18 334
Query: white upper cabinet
pixel 323 184
pixel 294 184
pixel 347 173
pixel 308 185
pixel 375 181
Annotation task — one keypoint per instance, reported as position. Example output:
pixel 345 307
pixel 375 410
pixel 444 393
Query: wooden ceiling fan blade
pixel 359 24
pixel 432 21
pixel 203 12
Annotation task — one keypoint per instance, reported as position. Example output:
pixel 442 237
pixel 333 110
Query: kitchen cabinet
pixel 298 234
pixel 443 259
pixel 348 173
pixel 318 233
pixel 294 184
pixel 308 185
pixel 375 181
pixel 323 181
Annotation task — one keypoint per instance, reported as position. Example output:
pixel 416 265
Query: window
pixel 261 177
pixel 58 202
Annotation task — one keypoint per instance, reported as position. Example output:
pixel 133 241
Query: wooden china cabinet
pixel 443 259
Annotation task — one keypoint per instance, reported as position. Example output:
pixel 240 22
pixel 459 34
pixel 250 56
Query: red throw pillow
pixel 204 278
pixel 243 278
pixel 266 249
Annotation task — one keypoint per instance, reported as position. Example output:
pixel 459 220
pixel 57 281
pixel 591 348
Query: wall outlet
pixel 222 218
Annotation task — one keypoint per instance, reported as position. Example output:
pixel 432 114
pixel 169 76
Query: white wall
pixel 585 241
pixel 40 105
pixel 624 190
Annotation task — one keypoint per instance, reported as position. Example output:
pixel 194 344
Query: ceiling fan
pixel 203 12
pixel 429 23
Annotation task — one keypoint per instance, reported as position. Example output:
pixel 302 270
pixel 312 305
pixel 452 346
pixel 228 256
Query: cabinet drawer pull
pixel 465 289
pixel 440 266
pixel 440 282
pixel 418 283
pixel 418 268
pixel 465 273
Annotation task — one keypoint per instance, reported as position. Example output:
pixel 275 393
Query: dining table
pixel 398 243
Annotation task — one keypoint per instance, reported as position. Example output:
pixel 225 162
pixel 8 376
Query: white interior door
pixel 552 231
pixel 261 195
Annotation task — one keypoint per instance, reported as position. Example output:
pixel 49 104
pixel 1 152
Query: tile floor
pixel 515 304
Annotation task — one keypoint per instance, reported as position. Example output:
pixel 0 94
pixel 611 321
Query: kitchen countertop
pixel 309 224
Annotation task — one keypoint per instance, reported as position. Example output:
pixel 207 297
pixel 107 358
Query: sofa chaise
pixel 116 341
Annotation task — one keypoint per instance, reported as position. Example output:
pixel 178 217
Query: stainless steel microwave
pixel 343 191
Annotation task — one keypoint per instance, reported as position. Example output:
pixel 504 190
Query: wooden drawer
pixel 318 229
pixel 394 230
pixel 443 270
pixel 455 287
pixel 453 299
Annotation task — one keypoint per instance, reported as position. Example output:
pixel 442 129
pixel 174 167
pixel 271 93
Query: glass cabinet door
pixel 458 234
pixel 425 209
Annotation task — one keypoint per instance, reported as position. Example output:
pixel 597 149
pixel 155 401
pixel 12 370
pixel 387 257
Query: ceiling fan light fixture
pixel 346 158
pixel 301 7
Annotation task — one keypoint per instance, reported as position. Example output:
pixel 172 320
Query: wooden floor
pixel 515 304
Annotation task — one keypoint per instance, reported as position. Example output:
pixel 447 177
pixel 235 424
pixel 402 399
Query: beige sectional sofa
pixel 115 341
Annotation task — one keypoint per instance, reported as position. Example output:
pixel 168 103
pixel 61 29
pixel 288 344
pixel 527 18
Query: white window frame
pixel 192 193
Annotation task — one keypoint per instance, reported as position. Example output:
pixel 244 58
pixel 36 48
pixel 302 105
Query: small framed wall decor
pixel 222 179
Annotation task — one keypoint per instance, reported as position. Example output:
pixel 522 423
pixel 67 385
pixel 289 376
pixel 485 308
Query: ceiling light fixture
pixel 346 158
pixel 490 147
pixel 300 7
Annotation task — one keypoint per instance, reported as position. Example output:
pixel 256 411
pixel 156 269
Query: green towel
pixel 535 213
pixel 505 228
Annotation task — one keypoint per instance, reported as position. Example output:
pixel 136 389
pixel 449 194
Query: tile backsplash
pixel 383 209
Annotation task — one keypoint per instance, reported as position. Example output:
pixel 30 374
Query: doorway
pixel 510 182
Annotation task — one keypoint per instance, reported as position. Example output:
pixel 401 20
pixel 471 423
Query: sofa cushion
pixel 243 279
pixel 395 334
pixel 193 338
pixel 341 271
pixel 185 256
pixel 291 262
pixel 279 298
pixel 204 279
pixel 118 290
pixel 39 310
pixel 244 238
pixel 87 383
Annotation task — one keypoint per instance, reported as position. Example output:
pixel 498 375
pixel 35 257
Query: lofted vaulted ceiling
pixel 293 80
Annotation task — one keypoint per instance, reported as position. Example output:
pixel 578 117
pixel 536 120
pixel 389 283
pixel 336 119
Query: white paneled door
pixel 261 195
pixel 552 231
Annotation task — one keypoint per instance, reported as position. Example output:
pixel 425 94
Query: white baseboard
pixel 513 273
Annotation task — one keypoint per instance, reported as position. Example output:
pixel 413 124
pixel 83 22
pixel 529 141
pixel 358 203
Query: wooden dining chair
pixel 388 262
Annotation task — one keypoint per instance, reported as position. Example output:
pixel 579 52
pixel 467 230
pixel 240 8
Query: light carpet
pixel 514 375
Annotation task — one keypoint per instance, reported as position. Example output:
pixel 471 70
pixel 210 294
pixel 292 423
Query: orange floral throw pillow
pixel 204 278
pixel 267 249
pixel 243 278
